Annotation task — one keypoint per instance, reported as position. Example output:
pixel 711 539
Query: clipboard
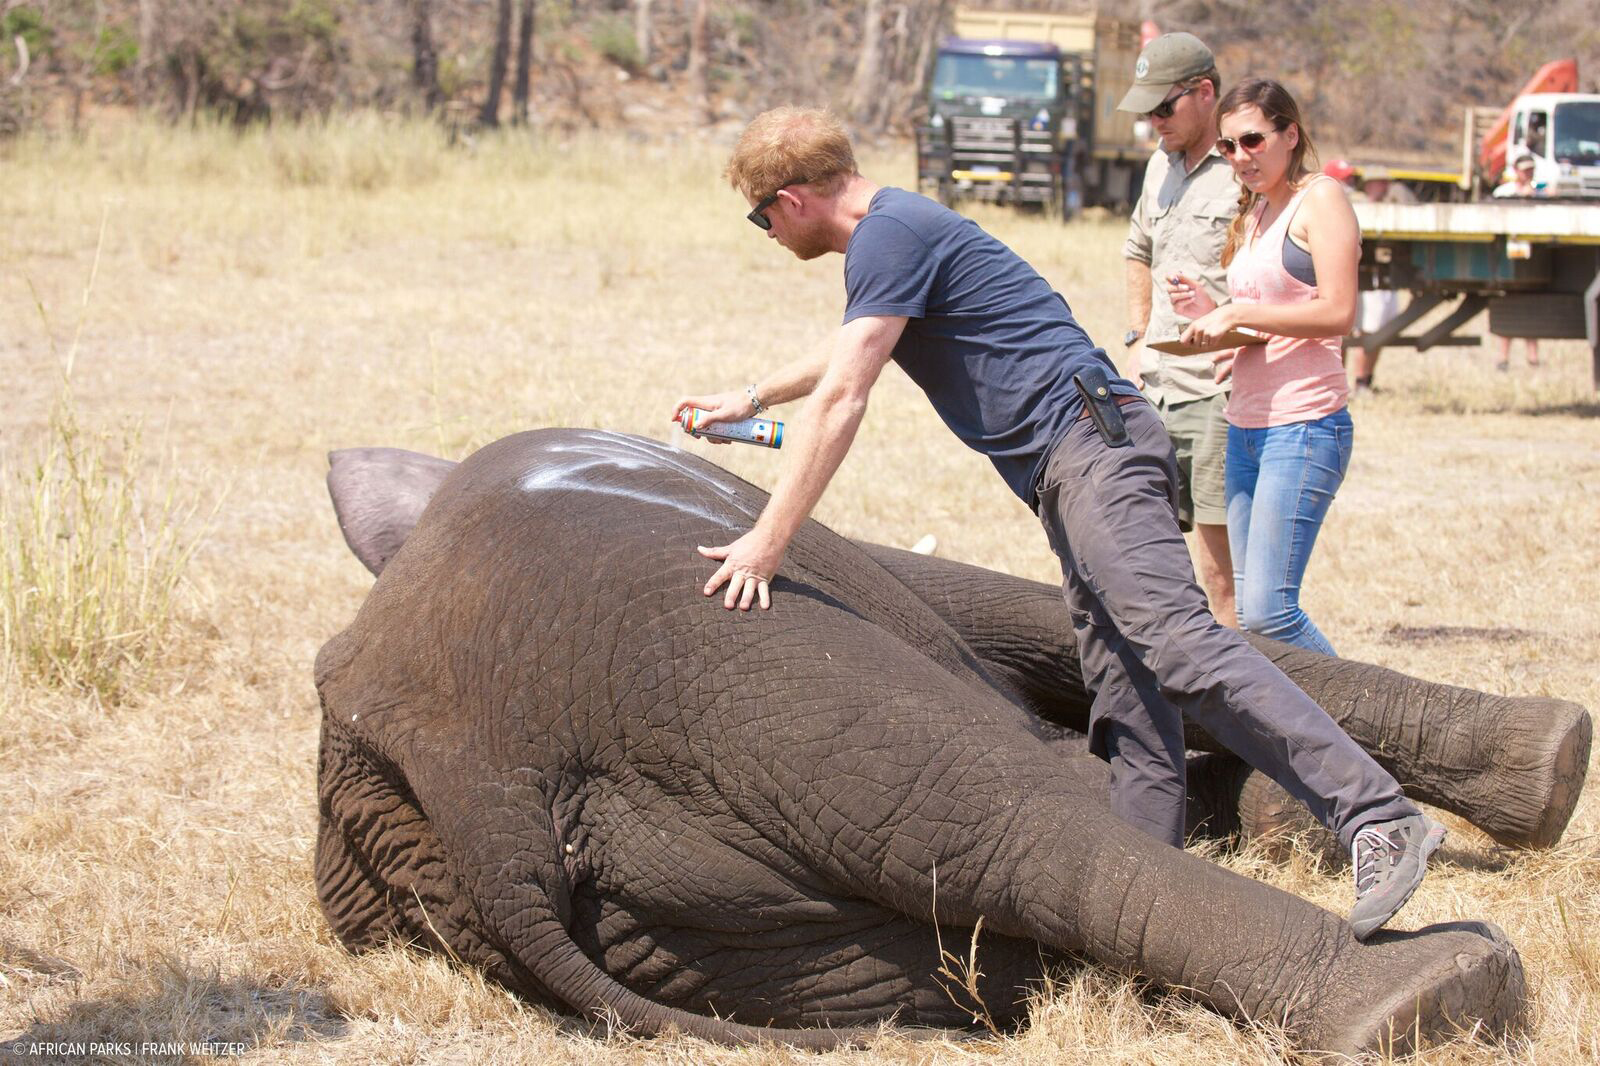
pixel 1234 338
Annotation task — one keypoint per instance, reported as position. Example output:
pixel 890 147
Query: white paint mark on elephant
pixel 573 468
pixel 570 850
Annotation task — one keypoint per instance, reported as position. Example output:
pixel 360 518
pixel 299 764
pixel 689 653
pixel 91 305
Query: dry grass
pixel 270 298
pixel 90 562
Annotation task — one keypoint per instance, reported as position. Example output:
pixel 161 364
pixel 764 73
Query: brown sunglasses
pixel 1248 141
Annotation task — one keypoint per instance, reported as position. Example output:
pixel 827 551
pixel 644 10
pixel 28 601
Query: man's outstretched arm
pixel 829 421
pixel 789 382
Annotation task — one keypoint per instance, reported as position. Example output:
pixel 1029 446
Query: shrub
pixel 612 37
pixel 115 51
pixel 89 564
pixel 27 23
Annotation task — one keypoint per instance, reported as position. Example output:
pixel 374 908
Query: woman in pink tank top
pixel 1291 256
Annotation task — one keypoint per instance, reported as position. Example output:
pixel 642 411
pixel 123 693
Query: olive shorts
pixel 1199 433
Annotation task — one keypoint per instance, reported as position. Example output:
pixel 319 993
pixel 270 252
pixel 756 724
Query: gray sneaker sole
pixel 1431 840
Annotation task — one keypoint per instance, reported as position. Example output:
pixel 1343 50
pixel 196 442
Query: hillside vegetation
pixel 1389 73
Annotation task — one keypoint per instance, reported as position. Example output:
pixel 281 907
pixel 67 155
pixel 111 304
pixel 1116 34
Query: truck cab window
pixel 1538 124
pixel 1020 79
pixel 1577 133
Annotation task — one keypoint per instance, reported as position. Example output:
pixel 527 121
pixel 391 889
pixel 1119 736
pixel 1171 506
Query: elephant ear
pixel 378 495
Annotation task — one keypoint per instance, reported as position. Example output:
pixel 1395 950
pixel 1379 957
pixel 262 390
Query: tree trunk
pixel 490 115
pixel 889 100
pixel 934 15
pixel 865 87
pixel 641 31
pixel 524 76
pixel 425 58
pixel 698 24
pixel 147 48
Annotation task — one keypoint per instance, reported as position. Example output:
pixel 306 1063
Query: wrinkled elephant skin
pixel 544 752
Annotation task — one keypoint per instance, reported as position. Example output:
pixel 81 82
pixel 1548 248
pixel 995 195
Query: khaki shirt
pixel 1179 226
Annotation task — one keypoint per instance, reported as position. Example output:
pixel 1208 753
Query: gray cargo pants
pixel 1150 648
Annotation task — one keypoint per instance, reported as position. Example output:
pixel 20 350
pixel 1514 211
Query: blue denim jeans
pixel 1281 481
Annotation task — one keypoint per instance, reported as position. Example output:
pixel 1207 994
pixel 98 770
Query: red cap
pixel 1339 169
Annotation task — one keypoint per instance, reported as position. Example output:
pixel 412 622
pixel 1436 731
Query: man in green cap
pixel 1175 239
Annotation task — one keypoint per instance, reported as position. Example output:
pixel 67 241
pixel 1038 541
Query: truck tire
pixel 1540 315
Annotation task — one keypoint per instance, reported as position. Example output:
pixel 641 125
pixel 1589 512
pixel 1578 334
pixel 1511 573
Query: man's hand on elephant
pixel 719 407
pixel 748 566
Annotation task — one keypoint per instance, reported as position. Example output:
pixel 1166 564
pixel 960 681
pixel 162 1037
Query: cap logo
pixel 1141 68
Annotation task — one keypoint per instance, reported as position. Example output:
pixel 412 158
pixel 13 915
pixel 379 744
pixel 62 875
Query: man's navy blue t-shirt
pixel 988 340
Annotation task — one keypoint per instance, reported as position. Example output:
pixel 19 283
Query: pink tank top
pixel 1285 379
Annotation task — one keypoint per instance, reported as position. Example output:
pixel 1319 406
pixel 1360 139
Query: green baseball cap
pixel 1165 61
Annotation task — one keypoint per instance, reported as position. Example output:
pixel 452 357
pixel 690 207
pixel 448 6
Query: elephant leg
pixel 918 776
pixel 1230 800
pixel 1084 882
pixel 1514 767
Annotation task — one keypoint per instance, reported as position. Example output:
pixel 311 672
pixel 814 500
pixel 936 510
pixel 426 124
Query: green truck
pixel 1022 110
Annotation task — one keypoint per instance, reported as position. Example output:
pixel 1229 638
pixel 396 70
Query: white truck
pixel 1549 119
pixel 1562 132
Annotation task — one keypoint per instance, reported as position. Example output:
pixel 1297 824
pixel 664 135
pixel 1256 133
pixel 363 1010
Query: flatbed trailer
pixel 1534 266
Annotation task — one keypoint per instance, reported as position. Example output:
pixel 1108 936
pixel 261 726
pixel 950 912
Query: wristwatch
pixel 1131 336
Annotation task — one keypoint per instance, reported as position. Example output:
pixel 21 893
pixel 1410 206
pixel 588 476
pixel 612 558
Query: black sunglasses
pixel 1164 108
pixel 1248 141
pixel 758 213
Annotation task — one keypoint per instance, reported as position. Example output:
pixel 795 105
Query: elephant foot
pixel 1550 769
pixel 1455 978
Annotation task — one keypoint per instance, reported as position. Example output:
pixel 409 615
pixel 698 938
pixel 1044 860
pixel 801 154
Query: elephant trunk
pixel 556 962
pixel 523 902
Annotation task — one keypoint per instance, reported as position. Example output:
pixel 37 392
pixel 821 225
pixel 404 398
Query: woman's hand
pixel 1212 324
pixel 1222 364
pixel 1189 298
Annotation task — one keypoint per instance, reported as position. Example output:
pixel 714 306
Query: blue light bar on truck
pixel 994 47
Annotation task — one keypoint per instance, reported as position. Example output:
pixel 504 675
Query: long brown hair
pixel 1279 108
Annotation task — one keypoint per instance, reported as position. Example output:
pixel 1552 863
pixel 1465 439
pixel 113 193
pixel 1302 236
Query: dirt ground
pixel 264 299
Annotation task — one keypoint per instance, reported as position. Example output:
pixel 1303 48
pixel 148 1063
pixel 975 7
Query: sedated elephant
pixel 544 752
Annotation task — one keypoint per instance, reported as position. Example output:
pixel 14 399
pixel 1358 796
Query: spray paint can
pixel 763 432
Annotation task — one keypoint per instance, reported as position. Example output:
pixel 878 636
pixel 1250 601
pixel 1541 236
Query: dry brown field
pixel 259 300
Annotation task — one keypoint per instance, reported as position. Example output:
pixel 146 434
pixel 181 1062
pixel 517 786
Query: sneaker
pixel 1390 860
